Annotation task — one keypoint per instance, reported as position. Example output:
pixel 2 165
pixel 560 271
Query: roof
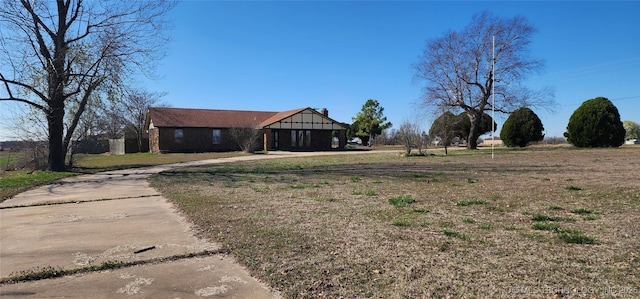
pixel 204 118
pixel 301 118
pixel 280 115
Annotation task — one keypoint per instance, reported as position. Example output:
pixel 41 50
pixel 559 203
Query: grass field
pixel 536 223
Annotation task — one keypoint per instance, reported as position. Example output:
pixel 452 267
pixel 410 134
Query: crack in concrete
pixel 34 275
pixel 53 203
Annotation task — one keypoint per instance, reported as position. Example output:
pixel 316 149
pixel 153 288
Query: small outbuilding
pixel 206 130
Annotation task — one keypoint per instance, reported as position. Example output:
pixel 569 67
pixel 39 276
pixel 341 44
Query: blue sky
pixel 275 56
pixel 283 55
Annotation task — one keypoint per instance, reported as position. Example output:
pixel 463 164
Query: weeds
pixel 401 201
pixel 421 210
pixel 456 234
pixel 36 274
pixel 369 192
pixel 263 189
pixel 543 217
pixel 583 211
pixel 464 203
pixel 486 226
pixel 468 220
pixel 401 222
pixel 544 225
pixel 574 236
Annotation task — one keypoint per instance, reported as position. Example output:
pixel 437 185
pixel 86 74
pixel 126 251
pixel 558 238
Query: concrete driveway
pixel 116 216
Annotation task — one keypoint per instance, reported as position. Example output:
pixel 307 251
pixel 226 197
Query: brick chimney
pixel 325 112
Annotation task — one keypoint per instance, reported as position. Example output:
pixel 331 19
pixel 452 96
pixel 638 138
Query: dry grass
pixel 325 226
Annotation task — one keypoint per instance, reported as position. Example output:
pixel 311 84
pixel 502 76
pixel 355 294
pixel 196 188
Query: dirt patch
pixel 325 227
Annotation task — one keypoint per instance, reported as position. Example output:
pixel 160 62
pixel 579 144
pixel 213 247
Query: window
pixel 178 136
pixel 217 136
pixel 276 141
pixel 294 134
pixel 300 138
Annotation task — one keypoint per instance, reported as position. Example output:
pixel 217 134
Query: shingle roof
pixel 278 116
pixel 207 118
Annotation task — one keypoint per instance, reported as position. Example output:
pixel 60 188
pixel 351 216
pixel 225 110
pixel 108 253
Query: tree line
pixel 596 123
pixel 72 63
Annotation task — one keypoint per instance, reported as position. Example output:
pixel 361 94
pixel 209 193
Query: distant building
pixel 632 141
pixel 204 130
pixel 496 141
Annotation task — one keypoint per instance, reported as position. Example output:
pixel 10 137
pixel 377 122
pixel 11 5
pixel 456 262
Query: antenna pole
pixel 493 94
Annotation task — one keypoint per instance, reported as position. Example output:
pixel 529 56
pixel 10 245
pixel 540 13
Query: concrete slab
pixel 121 184
pixel 75 235
pixel 91 219
pixel 208 277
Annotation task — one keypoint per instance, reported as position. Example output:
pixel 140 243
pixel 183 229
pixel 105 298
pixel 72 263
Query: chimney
pixel 325 112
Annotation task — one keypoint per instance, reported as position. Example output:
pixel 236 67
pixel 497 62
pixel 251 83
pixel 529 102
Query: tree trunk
pixel 57 76
pixel 139 142
pixel 55 119
pixel 472 142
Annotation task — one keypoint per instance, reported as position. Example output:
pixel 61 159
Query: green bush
pixel 596 123
pixel 522 127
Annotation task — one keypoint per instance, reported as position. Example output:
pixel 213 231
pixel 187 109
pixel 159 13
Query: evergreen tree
pixel 596 123
pixel 522 127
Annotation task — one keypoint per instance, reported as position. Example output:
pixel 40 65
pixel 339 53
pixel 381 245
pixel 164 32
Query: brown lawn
pixel 531 223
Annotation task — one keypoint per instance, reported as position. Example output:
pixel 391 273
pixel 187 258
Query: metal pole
pixel 493 94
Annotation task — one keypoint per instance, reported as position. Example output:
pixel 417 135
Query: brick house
pixel 205 130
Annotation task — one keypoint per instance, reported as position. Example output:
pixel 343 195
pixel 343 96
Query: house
pixel 204 130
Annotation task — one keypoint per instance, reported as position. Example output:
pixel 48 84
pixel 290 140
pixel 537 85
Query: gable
pixel 302 119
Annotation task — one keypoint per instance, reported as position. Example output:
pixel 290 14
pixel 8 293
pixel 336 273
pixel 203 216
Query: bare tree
pixel 423 143
pixel 55 55
pixel 245 133
pixel 409 136
pixel 136 104
pixel 457 69
pixel 111 120
pixel 27 126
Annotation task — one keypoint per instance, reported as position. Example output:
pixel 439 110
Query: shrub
pixel 522 127
pixel 596 123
